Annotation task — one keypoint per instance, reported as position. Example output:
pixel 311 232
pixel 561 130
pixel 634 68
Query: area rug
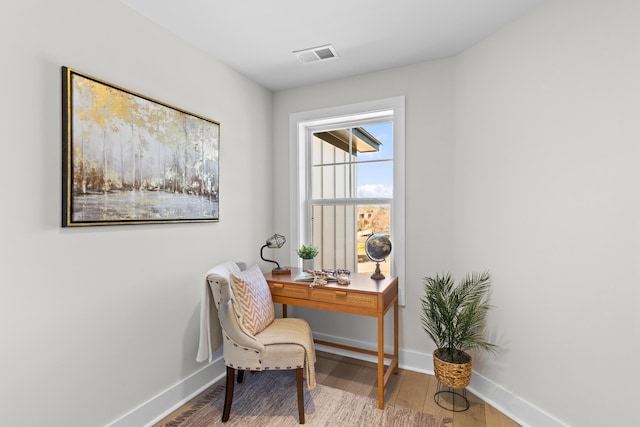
pixel 268 399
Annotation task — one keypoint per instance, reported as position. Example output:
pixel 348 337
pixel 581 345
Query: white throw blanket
pixel 293 331
pixel 210 331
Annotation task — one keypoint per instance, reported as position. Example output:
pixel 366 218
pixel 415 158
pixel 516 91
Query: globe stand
pixel 377 275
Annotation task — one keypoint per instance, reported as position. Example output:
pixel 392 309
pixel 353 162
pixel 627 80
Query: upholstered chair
pixel 252 339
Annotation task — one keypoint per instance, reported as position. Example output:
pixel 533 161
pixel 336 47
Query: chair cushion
pixel 252 300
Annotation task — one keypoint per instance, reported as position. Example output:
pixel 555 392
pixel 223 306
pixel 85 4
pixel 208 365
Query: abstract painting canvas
pixel 129 159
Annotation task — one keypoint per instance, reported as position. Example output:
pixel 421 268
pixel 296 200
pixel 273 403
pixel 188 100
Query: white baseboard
pixel 171 399
pixel 164 403
pixel 513 406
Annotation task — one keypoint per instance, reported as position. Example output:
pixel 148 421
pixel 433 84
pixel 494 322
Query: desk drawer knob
pixel 341 294
pixel 278 285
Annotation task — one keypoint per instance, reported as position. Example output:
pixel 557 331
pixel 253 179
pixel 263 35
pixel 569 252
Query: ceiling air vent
pixel 320 53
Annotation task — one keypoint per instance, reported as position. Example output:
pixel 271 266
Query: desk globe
pixel 377 248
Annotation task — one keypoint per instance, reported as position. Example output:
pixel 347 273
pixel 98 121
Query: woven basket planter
pixel 453 375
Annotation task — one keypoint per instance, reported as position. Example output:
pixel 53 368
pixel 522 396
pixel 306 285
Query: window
pixel 350 184
pixel 351 193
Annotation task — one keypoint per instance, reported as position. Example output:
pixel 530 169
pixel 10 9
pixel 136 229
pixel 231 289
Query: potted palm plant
pixel 454 317
pixel 307 253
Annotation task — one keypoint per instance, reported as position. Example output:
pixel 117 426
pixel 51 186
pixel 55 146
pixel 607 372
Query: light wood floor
pixel 410 389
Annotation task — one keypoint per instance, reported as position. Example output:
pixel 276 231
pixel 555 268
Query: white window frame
pixel 301 125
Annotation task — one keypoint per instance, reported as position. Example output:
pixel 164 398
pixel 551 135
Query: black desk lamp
pixel 275 241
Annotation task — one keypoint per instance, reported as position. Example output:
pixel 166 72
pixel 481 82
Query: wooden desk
pixel 363 296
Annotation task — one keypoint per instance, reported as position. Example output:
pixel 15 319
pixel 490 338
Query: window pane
pixel 329 150
pixel 334 233
pixel 375 179
pixel 332 182
pixel 340 233
pixel 383 133
pixel 373 220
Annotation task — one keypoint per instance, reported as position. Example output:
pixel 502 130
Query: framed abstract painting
pixel 129 159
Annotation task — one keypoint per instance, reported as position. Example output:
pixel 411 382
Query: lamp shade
pixel 276 241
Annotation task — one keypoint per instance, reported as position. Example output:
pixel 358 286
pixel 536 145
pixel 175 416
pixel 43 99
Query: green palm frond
pixel 454 316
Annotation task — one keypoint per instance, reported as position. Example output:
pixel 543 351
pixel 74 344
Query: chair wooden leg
pixel 228 396
pixel 240 375
pixel 299 382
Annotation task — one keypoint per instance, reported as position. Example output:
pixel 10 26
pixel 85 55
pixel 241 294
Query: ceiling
pixel 257 37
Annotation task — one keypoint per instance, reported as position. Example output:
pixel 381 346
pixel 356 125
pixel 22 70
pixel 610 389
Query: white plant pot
pixel 307 264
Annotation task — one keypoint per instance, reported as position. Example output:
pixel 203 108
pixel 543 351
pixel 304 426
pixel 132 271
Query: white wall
pixel 96 321
pixel 429 104
pixel 532 173
pixel 546 196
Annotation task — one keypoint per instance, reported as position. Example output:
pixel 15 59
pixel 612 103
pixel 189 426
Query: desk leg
pixel 284 311
pixel 381 361
pixel 395 335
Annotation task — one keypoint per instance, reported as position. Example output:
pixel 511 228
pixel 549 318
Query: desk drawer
pixel 293 291
pixel 343 297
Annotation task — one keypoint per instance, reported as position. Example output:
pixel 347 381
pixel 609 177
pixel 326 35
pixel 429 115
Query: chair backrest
pixel 219 280
pixel 222 290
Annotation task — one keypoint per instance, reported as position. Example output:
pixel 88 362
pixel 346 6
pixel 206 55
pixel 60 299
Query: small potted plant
pixel 454 316
pixel 307 253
